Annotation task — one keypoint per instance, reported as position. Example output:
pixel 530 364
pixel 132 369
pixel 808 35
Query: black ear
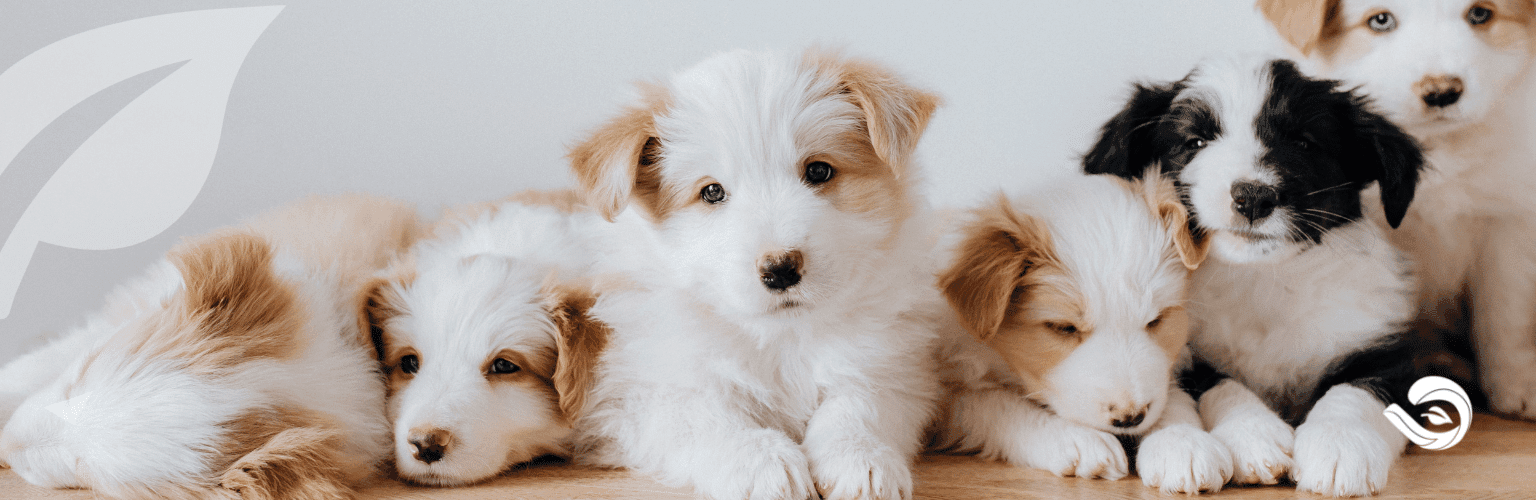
pixel 1127 142
pixel 1389 156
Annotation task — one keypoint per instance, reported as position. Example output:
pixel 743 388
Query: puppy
pixel 235 368
pixel 1077 298
pixel 1455 75
pixel 486 347
pixel 774 352
pixel 1302 304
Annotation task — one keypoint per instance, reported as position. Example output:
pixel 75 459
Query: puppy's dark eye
pixel 1303 144
pixel 1064 329
pixel 1196 143
pixel 1153 324
pixel 1382 22
pixel 818 172
pixel 1479 15
pixel 410 363
pixel 713 193
pixel 501 365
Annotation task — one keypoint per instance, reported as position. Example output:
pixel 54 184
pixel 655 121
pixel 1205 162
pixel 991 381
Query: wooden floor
pixel 1497 460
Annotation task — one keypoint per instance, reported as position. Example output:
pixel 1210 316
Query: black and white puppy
pixel 1299 315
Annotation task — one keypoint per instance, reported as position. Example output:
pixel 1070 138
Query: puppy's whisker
pixel 1326 189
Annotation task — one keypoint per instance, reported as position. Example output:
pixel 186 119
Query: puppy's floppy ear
pixel 580 340
pixel 618 160
pixel 378 301
pixel 1127 142
pixel 1163 198
pixel 895 113
pixel 999 247
pixel 1303 23
pixel 1388 155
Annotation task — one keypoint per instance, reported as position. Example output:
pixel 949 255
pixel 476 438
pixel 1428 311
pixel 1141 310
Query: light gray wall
pixel 448 102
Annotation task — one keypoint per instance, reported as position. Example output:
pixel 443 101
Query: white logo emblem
pixel 1433 389
pixel 141 170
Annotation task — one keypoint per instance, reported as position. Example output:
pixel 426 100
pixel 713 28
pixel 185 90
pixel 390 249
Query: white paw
pixel 1340 458
pixel 1512 390
pixel 1073 450
pixel 1183 459
pixel 766 465
pixel 861 474
pixel 1260 447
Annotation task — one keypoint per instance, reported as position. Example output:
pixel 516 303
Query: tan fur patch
pixel 285 454
pixel 1163 198
pixel 233 308
pixel 378 302
pixel 1305 24
pixel 581 341
pixel 895 114
pixel 617 162
pixel 1000 248
pixel 1171 331
pixel 1030 339
pixel 1511 24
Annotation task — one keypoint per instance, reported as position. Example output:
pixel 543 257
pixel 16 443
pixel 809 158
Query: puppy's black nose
pixel 1255 201
pixel 1439 91
pixel 782 271
pixel 430 445
pixel 1131 420
pixel 1442 99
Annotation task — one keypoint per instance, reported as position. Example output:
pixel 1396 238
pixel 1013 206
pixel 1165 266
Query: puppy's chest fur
pixel 1278 327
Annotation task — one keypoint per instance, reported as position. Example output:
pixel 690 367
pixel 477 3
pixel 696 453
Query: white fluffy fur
pixel 1473 222
pixel 714 381
pixel 477 292
pixel 146 427
pixel 1122 260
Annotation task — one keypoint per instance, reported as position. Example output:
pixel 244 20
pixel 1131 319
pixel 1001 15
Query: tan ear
pixel 617 159
pixel 1163 198
pixel 378 302
pixel 895 113
pixel 999 247
pixel 581 339
pixel 1303 23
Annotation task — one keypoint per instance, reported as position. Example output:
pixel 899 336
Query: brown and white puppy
pixel 1074 299
pixel 1456 74
pixel 485 339
pixel 236 368
pixel 770 207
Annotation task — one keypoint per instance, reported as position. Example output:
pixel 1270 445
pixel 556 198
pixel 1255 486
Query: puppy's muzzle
pixel 1129 417
pixel 431 444
pixel 1439 91
pixel 779 272
pixel 1253 200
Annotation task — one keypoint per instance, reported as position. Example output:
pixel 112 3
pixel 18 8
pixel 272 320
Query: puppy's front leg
pixel 1346 446
pixel 298 463
pixel 1504 324
pixel 1259 441
pixel 705 441
pixel 861 443
pixel 1178 456
pixel 1002 424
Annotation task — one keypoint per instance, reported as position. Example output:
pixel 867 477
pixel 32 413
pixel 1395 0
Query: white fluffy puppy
pixel 1456 74
pixel 485 341
pixel 776 353
pixel 1075 300
pixel 236 368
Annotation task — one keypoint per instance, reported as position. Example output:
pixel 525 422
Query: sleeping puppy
pixel 236 368
pixel 485 340
pixel 774 353
pixel 1302 304
pixel 1077 298
pixel 1456 74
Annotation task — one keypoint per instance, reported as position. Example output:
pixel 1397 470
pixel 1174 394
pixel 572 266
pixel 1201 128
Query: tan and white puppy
pixel 485 340
pixel 1074 299
pixel 1456 74
pixel 236 368
pixel 774 352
